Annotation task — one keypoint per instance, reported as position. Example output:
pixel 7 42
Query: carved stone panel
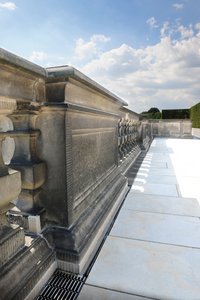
pixel 94 150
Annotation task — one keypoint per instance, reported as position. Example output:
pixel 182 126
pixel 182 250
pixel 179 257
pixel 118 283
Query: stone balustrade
pixel 128 137
pixel 12 238
pixel 20 93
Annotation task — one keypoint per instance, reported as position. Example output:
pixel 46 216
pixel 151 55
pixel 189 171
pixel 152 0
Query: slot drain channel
pixel 62 286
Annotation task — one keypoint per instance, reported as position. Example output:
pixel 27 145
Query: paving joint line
pixel 160 213
pixel 122 292
pixel 154 242
pixel 155 194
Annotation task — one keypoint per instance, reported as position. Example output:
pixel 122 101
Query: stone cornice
pixel 21 63
pixel 63 73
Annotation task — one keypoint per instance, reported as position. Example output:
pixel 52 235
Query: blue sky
pixel 145 51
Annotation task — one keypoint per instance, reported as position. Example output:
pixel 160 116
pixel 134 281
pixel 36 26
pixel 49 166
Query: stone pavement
pixel 153 249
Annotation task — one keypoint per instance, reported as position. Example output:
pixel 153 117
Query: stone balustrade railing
pixel 11 238
pixel 21 175
pixel 128 136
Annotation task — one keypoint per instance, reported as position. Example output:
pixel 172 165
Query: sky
pixel 145 51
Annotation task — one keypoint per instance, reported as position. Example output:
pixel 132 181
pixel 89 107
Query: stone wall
pixel 196 132
pixel 171 128
pixel 66 143
pixel 78 127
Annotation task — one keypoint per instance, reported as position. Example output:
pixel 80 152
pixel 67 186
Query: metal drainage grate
pixel 62 286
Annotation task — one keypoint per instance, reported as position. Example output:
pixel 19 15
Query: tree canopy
pixel 153 110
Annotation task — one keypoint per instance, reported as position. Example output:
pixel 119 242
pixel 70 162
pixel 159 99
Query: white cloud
pixel 164 29
pixel 8 5
pixel 100 38
pixel 197 26
pixel 178 6
pixel 163 75
pixel 152 22
pixel 88 49
pixel 83 48
pixel 38 56
pixel 186 32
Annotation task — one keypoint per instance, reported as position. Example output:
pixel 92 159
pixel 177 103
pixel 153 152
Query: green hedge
pixel 195 115
pixel 175 114
pixel 147 115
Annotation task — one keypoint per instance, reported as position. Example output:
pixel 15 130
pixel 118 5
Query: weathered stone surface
pixel 172 128
pixel 66 140
pixel 11 241
pixel 66 84
pixel 32 175
pixel 29 200
pixel 19 277
pixel 20 79
pixel 90 230
pixel 10 187
pixel 78 142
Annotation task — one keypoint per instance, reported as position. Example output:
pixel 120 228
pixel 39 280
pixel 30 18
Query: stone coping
pixel 54 73
pixel 66 72
pixel 21 63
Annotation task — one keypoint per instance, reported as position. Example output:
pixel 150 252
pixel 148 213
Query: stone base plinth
pixel 26 270
pixel 76 247
pixel 11 241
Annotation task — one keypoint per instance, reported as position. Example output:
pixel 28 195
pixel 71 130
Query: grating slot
pixel 56 279
pixel 51 280
pixel 66 284
pixel 78 287
pixel 61 296
pixel 62 283
pixel 46 291
pixel 54 291
pixel 70 285
pixel 60 279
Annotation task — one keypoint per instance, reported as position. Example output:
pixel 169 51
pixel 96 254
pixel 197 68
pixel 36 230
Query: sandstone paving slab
pixel 162 204
pixel 95 293
pixel 154 164
pixel 185 181
pixel 158 156
pixel 149 269
pixel 160 228
pixel 159 172
pixel 165 179
pixel 155 189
